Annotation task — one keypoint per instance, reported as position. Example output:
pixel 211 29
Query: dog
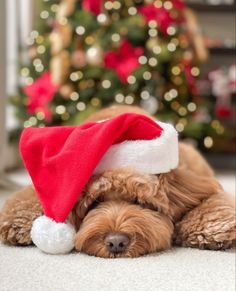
pixel 124 213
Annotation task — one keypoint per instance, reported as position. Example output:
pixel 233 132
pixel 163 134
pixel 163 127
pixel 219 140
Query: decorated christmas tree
pixel 88 54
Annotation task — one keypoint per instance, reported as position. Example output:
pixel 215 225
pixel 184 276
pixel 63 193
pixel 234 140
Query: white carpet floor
pixel 28 269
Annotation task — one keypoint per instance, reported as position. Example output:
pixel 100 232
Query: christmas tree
pixel 88 54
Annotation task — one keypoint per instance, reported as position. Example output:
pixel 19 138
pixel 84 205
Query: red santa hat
pixel 61 160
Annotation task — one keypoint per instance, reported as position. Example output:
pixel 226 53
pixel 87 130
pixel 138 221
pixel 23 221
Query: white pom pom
pixel 52 237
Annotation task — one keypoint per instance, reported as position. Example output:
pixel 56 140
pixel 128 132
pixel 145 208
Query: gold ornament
pixel 56 41
pixel 66 8
pixel 66 33
pixel 151 43
pixel 78 59
pixel 59 66
pixel 66 90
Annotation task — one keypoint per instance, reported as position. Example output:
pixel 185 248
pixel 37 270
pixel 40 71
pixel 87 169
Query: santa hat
pixel 61 160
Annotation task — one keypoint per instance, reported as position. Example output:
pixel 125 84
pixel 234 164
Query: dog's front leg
pixel 211 225
pixel 17 216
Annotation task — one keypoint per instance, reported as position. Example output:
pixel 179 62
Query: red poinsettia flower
pixel 124 61
pixel 40 94
pixel 93 6
pixel 161 15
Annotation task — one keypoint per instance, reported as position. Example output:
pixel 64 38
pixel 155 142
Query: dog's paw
pixel 16 224
pixel 201 241
pixel 15 230
pixel 204 233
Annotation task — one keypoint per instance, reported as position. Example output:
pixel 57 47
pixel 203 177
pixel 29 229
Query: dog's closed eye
pixel 144 205
pixel 93 205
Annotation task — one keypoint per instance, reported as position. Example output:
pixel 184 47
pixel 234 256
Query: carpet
pixel 28 269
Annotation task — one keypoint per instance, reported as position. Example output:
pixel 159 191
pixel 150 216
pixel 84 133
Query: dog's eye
pixel 93 205
pixel 144 205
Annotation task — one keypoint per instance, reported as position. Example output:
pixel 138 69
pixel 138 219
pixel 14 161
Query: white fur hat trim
pixel 155 156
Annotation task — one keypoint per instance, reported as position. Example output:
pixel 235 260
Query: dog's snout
pixel 116 242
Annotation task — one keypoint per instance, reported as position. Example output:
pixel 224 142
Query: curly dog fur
pixel 186 207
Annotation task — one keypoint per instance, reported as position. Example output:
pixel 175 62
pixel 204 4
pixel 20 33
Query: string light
pixel 106 84
pixel 147 75
pixel 173 93
pixel 40 115
pixel 208 142
pixel 34 34
pixel 152 32
pixel 142 60
pixel 168 5
pixel 191 107
pixel 44 14
pixel 102 18
pixel 54 8
pixel 132 11
pixel 171 30
pixel 80 30
pixel 108 5
pixel 115 37
pixel 131 80
pixel 119 98
pixel 167 96
pixel 175 70
pixel 152 24
pixel 145 95
pixel 81 106
pixel 39 68
pixel 74 96
pixel 171 47
pixel 39 39
pixel 195 71
pixel 60 109
pixel 41 49
pixel 116 5
pixel 25 72
pixel 179 127
pixel 75 76
pixel 156 49
pixel 33 120
pixel 152 62
pixel 129 99
pixel 158 4
pixel 182 111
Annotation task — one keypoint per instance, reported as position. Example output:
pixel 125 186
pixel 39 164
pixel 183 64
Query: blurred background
pixel 62 60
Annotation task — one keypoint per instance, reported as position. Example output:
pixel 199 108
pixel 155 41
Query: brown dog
pixel 123 213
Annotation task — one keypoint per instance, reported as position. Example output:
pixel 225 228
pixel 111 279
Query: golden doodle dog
pixel 124 213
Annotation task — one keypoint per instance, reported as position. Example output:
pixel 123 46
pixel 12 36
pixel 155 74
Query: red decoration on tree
pixel 93 6
pixel 178 4
pixel 124 61
pixel 223 111
pixel 161 15
pixel 40 94
pixel 187 68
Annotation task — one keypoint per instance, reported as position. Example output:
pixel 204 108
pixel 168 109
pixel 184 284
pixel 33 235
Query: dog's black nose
pixel 116 242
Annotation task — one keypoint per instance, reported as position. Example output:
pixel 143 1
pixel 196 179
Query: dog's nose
pixel 116 242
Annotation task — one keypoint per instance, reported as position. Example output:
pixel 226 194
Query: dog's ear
pixel 92 193
pixel 186 190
